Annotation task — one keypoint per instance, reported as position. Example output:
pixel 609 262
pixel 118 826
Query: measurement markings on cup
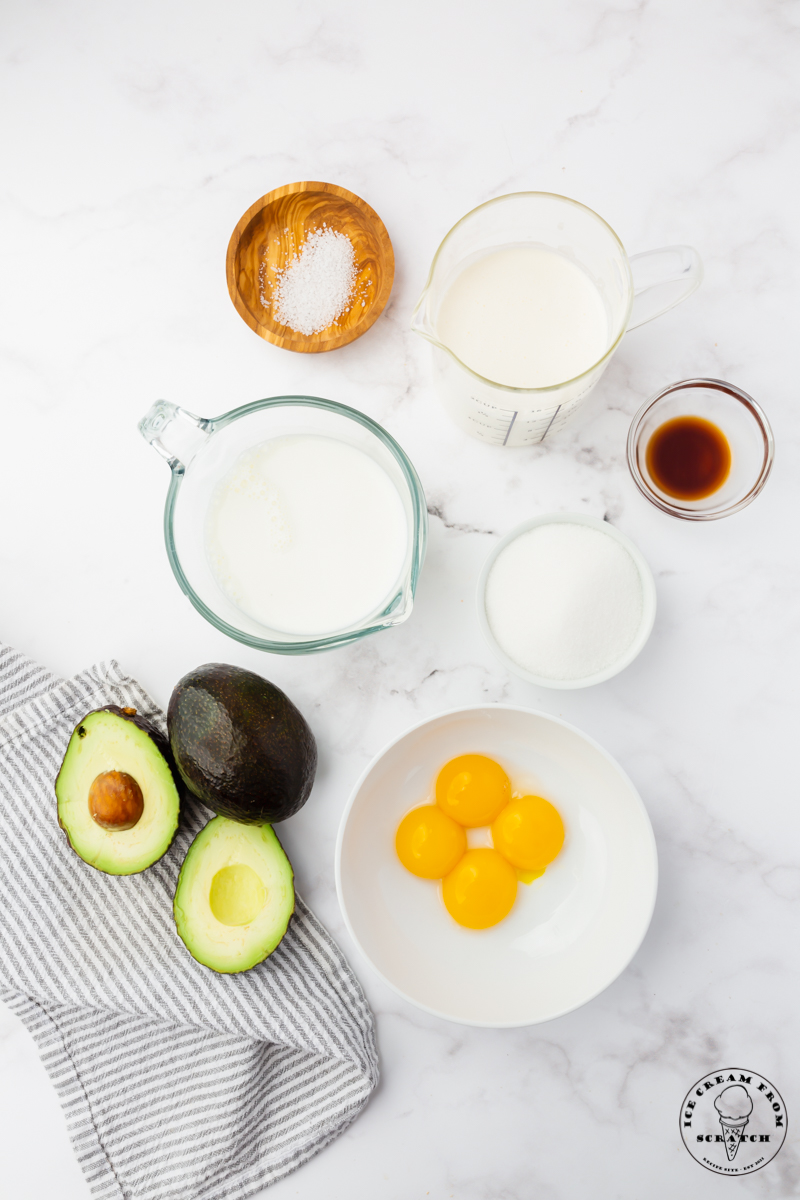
pixel 508 431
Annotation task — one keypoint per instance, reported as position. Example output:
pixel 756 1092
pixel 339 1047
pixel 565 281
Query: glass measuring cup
pixel 201 451
pixel 633 290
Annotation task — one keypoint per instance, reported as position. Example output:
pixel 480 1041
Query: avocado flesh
pixel 235 895
pixel 113 739
pixel 240 744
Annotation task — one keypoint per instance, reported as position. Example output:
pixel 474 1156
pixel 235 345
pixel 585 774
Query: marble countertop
pixel 135 137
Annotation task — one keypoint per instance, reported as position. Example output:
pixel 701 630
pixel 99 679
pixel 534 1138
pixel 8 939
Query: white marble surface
pixel 134 138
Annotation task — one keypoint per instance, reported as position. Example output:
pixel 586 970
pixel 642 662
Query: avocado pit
pixel 115 801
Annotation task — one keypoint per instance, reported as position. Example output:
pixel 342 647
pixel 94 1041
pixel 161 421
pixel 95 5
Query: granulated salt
pixel 564 601
pixel 316 286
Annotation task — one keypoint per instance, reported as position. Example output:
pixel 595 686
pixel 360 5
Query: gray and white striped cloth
pixel 177 1084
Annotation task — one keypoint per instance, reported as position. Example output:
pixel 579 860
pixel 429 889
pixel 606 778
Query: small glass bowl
pixel 743 423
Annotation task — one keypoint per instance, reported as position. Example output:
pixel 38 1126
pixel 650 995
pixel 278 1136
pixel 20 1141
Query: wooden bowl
pixel 273 231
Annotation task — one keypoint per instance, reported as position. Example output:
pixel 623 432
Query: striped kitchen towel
pixel 177 1084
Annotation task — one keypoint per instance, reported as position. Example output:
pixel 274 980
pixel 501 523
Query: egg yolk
pixel 480 890
pixel 529 833
pixel 429 843
pixel 472 789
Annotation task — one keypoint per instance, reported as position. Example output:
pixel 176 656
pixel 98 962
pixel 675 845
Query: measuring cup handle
pixel 662 279
pixel 191 432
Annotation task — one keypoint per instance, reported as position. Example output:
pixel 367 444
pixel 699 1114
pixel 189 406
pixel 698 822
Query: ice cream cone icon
pixel 734 1106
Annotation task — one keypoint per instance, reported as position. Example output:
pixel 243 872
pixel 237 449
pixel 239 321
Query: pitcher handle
pixel 190 430
pixel 662 279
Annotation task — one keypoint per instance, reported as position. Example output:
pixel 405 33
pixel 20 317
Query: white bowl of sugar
pixel 566 600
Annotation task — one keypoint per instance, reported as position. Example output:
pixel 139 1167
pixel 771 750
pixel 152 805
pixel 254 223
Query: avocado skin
pixel 240 745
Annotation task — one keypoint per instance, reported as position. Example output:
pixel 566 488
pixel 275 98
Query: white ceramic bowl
pixel 570 933
pixel 648 601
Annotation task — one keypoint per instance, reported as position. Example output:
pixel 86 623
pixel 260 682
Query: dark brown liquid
pixel 688 458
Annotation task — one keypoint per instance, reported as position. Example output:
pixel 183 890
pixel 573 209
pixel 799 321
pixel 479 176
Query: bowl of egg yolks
pixel 479 882
pixel 496 866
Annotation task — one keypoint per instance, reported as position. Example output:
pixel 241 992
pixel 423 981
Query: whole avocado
pixel 240 745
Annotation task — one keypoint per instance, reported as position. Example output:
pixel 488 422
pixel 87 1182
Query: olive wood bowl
pixel 274 229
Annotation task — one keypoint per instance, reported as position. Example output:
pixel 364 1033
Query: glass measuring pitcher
pixel 202 451
pixel 632 290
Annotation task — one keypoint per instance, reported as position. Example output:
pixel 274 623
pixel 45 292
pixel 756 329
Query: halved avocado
pixel 118 802
pixel 235 895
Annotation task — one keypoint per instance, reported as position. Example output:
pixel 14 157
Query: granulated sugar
pixel 316 286
pixel 564 601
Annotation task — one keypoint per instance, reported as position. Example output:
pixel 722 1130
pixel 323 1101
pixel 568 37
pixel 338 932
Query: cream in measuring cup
pixel 306 534
pixel 527 299
pixel 293 524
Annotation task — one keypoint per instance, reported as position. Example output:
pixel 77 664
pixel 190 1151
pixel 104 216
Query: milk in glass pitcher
pixel 527 299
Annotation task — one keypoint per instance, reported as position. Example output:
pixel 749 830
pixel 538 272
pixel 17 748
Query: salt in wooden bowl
pixel 272 233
